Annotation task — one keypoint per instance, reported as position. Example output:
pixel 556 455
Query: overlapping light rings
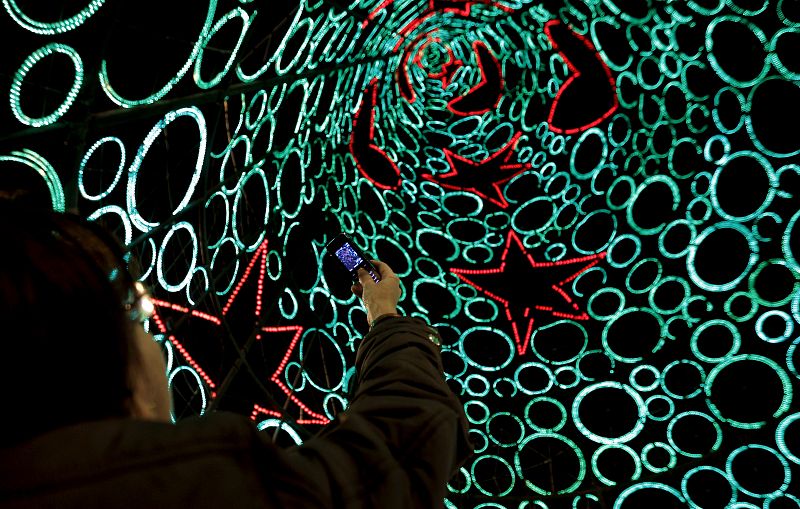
pixel 44 169
pixel 595 203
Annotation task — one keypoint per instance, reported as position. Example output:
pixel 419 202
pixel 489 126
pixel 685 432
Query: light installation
pixel 594 201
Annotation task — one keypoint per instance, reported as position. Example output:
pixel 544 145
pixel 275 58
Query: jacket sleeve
pixel 402 437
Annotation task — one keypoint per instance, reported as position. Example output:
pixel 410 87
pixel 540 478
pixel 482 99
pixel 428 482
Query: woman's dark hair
pixel 63 327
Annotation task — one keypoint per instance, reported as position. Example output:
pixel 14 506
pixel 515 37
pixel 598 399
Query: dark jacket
pixel 402 437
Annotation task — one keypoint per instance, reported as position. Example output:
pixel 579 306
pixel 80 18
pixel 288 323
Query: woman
pixel 89 410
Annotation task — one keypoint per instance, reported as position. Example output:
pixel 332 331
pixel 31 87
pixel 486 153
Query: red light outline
pixel 522 345
pixel 481 64
pixel 372 92
pixel 575 74
pixel 260 254
pixel 452 158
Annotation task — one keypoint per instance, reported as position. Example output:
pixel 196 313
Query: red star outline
pixel 455 160
pixel 259 254
pixel 578 314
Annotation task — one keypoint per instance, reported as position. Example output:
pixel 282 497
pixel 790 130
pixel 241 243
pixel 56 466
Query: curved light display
pixel 594 201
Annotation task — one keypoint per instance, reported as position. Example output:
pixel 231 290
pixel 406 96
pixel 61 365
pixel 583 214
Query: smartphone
pixel 351 257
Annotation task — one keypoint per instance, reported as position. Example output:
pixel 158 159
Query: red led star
pixel 527 288
pixel 307 416
pixel 484 178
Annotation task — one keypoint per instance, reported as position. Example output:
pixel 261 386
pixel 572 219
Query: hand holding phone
pixel 379 298
pixel 351 257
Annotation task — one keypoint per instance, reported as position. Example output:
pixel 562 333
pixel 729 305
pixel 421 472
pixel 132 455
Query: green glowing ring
pixel 21 74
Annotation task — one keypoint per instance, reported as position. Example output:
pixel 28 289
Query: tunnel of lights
pixel 595 201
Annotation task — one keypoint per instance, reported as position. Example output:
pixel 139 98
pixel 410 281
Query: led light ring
pixel 616 242
pixel 593 352
pixel 742 108
pixel 183 225
pixel 567 369
pixel 585 273
pixel 500 443
pixel 58 27
pixel 554 257
pixel 288 293
pixel 786 401
pixel 696 392
pixel 651 296
pixel 594 437
pixel 790 357
pixel 188 287
pixel 665 417
pixel 561 324
pixel 736 340
pixel 671 158
pixel 523 211
pixel 671 69
pixel 753 258
pixel 133 172
pixel 763 217
pixel 120 212
pixel 771 176
pixel 226 207
pixel 495 332
pixel 85 160
pixel 631 360
pixel 780 436
pixel 33 59
pixel 685 482
pixel 227 158
pixel 500 462
pixel 683 415
pixel 756 31
pixel 530 392
pixel 481 301
pixel 152 265
pixel 317 335
pixel 788 326
pixel 201 387
pixel 658 179
pixel 315 303
pixel 542 429
pixel 239 194
pixel 787 472
pixel 497 392
pixel 644 388
pixel 269 424
pixel 538 490
pixel 637 463
pixel 467 483
pixel 651 285
pixel 604 246
pixel 290 376
pixel 670 226
pixel 331 411
pixel 649 466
